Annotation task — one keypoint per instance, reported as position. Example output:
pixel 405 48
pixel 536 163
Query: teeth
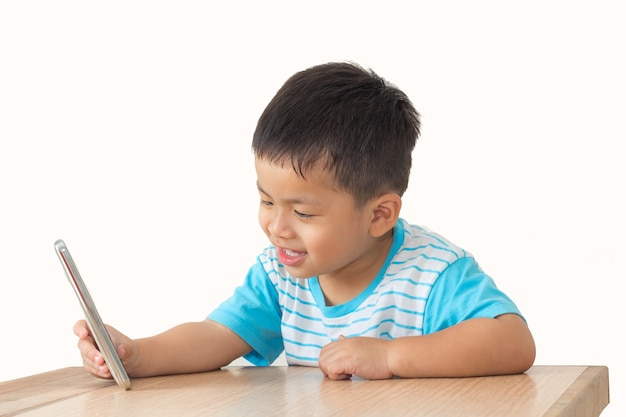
pixel 291 252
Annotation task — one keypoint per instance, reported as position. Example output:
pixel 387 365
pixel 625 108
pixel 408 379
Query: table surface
pixel 566 391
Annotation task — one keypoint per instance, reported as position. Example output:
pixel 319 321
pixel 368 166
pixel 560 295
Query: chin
pixel 299 274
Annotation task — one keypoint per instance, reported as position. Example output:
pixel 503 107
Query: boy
pixel 346 284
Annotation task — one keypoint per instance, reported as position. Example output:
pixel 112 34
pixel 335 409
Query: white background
pixel 125 129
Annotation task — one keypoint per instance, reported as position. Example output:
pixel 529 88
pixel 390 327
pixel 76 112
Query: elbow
pixel 527 355
pixel 523 354
pixel 518 353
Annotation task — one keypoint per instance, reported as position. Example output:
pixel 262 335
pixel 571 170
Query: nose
pixel 279 226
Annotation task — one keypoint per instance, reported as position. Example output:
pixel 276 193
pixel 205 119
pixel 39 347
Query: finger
pixel 101 368
pixel 80 329
pixel 338 377
pixel 97 366
pixel 89 353
pixel 93 361
pixel 122 351
pixel 333 372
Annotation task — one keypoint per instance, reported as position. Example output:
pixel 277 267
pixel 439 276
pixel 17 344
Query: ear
pixel 385 213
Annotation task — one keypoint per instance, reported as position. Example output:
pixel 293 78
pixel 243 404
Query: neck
pixel 343 285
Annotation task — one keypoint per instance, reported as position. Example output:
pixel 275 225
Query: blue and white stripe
pixel 393 308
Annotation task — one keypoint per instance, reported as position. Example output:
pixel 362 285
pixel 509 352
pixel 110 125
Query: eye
pixel 302 215
pixel 266 203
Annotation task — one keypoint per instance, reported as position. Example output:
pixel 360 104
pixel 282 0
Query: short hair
pixel 359 126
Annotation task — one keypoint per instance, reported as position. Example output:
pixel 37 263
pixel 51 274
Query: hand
pixel 365 357
pixel 93 361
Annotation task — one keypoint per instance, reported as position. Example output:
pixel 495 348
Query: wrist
pixel 393 357
pixel 401 354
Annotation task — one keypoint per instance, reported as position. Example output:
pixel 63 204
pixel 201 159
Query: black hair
pixel 360 127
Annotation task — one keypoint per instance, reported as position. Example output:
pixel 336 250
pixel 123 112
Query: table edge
pixel 571 403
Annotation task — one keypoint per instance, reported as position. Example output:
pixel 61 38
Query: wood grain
pixel 554 391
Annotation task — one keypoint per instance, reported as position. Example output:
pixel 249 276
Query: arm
pixel 200 346
pixel 190 347
pixel 475 347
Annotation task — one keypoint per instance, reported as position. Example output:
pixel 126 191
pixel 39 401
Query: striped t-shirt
pixel 426 284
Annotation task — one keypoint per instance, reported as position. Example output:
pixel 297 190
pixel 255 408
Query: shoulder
pixel 421 238
pixel 422 249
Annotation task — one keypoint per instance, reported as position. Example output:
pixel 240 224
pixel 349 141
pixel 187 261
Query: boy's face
pixel 315 227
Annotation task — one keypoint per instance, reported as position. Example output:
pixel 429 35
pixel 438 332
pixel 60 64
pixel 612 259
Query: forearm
pixel 187 348
pixel 476 347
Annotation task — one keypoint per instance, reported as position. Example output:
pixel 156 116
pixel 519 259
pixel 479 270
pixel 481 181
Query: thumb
pixel 122 351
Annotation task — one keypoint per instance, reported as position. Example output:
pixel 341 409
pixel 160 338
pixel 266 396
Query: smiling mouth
pixel 292 253
pixel 290 257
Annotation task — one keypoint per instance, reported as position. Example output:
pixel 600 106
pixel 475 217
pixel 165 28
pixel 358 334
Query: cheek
pixel 263 220
pixel 339 242
pixel 324 245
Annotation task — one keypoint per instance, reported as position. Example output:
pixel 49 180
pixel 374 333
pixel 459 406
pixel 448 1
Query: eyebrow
pixel 298 200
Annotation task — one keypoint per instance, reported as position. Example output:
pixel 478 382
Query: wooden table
pixel 299 391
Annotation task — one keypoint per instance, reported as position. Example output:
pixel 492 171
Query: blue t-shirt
pixel 425 285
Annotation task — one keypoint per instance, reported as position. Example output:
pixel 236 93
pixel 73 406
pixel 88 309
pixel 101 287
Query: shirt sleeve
pixel 254 314
pixel 462 292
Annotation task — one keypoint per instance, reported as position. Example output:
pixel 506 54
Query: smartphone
pixel 98 331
